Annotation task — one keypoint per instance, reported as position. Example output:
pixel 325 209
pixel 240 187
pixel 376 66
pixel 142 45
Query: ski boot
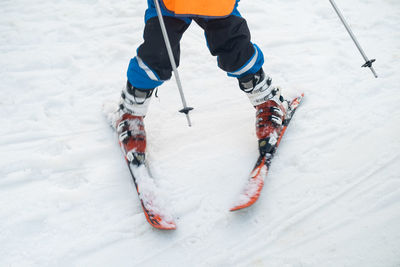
pixel 271 109
pixel 130 126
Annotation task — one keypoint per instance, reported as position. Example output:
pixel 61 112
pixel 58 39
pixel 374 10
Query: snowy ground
pixel 332 197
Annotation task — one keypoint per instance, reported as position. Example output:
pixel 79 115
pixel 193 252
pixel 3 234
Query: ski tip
pixel 250 199
pixel 247 204
pixel 160 223
pixel 252 190
pixel 239 207
pixel 164 226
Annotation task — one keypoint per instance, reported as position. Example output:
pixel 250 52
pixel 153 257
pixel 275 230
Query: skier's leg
pixel 151 67
pixel 148 70
pixel 229 40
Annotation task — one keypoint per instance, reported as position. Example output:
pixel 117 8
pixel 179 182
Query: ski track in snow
pixel 332 197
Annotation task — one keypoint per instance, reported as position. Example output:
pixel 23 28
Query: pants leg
pixel 229 39
pixel 151 67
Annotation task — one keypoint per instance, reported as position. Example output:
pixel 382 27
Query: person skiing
pixel 228 38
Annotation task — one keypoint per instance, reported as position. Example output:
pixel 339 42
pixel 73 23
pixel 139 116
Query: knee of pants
pixel 152 65
pixel 158 60
pixel 251 66
pixel 140 75
pixel 229 40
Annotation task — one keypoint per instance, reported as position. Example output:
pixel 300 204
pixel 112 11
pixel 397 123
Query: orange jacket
pixel 209 8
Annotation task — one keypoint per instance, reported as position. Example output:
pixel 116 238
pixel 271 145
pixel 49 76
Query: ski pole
pixel 185 109
pixel 368 62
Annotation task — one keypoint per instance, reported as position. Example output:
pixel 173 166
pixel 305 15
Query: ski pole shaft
pixel 185 109
pixel 368 62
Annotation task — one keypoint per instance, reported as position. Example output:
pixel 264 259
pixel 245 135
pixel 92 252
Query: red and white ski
pixel 153 203
pixel 149 196
pixel 252 189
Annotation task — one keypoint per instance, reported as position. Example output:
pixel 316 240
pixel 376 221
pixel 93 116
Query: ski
pixel 252 189
pixel 149 197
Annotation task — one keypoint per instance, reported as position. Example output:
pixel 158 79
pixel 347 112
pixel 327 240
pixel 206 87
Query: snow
pixel 332 197
pixel 152 197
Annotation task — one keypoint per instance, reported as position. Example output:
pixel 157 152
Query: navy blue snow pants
pixel 227 38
